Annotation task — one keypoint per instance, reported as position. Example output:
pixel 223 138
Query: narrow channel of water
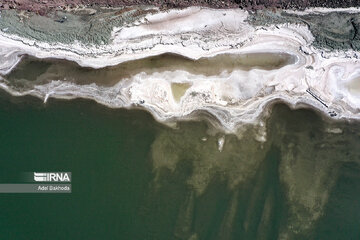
pixel 32 71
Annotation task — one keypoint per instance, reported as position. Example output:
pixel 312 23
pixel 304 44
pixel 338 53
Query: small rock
pixel 221 142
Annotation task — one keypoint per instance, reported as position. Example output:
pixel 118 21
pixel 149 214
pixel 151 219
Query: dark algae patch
pixel 134 178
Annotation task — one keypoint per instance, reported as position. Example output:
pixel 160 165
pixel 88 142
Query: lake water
pixel 134 178
pixel 32 71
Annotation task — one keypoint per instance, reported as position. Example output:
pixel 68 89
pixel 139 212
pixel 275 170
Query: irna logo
pixel 52 177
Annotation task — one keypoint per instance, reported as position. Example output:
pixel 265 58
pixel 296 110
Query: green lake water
pixel 133 178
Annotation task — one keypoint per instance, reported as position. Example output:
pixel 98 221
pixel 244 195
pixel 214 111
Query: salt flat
pixel 233 97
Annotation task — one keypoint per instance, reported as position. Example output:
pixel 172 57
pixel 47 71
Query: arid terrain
pixel 44 6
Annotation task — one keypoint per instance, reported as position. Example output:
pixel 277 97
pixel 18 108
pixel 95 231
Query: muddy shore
pixel 42 7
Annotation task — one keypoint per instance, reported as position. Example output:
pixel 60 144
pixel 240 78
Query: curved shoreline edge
pixel 318 78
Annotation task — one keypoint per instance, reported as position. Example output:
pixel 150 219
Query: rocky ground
pixel 44 6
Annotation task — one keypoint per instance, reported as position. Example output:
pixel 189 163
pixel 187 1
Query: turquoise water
pixel 134 178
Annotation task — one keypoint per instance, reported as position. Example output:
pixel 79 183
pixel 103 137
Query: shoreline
pixel 229 97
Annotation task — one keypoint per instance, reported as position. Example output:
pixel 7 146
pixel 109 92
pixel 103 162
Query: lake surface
pixel 133 178
pixel 33 71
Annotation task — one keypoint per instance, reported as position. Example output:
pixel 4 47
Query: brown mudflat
pixel 44 6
